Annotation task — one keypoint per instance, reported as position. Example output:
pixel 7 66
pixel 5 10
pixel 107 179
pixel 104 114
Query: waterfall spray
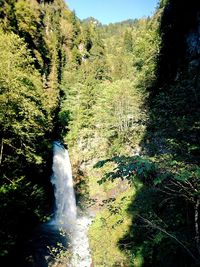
pixel 65 213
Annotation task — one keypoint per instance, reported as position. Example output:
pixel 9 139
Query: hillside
pixel 124 99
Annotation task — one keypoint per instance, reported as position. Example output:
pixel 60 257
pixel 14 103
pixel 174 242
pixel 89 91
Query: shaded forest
pixel 124 98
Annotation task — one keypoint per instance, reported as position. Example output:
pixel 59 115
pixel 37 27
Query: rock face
pixel 174 100
pixel 180 29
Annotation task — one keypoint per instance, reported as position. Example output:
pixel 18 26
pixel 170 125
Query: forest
pixel 124 99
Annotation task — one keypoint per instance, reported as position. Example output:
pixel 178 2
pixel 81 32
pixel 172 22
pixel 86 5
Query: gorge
pixel 124 99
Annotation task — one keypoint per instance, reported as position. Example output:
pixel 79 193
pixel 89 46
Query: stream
pixel 65 217
pixel 63 241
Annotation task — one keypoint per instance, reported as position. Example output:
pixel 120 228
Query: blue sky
pixel 107 11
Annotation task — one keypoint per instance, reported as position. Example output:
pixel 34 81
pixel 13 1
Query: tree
pixel 22 116
pixel 128 42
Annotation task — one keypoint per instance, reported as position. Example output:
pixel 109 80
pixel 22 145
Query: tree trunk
pixel 196 219
pixel 1 151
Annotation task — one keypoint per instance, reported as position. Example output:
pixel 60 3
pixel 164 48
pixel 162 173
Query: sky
pixel 110 11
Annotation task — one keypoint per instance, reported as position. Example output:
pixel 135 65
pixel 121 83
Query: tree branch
pixel 151 224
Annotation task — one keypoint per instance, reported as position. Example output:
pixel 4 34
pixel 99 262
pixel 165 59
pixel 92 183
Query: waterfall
pixel 65 213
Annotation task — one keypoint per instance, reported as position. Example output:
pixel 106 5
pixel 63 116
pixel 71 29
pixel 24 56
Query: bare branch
pixel 153 225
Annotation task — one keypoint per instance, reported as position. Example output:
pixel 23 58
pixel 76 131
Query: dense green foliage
pixel 34 46
pixel 125 99
pixel 104 108
pixel 143 116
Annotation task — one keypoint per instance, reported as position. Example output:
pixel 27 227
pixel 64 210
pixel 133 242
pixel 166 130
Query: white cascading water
pixel 80 245
pixel 66 212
